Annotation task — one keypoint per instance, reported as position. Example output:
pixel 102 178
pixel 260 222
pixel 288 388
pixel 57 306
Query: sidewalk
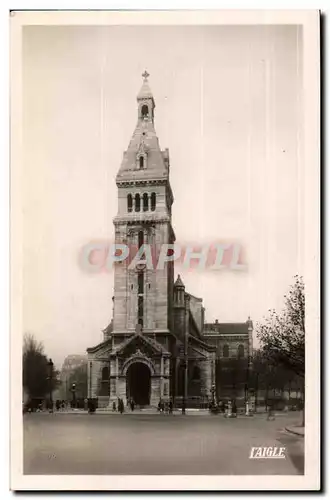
pixel 176 411
pixel 296 429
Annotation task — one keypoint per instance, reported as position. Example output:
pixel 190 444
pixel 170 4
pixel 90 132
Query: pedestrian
pixel 170 407
pixel 270 415
pixel 114 406
pixel 121 405
pixel 58 404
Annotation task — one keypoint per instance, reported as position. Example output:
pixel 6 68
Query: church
pixel 157 345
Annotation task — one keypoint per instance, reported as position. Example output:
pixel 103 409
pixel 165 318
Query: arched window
pixel 141 238
pixel 144 111
pixel 129 203
pixel 196 373
pixel 137 203
pixel 240 351
pixel 225 351
pixel 145 202
pixel 141 162
pixel 153 201
pixel 105 374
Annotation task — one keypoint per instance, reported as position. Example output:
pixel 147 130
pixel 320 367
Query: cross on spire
pixel 145 75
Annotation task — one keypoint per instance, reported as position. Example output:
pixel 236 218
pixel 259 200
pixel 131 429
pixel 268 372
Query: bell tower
pixel 142 292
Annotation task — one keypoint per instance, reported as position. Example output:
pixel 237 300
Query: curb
pixel 292 431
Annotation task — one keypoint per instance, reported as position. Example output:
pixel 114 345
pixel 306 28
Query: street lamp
pixel 50 365
pixel 185 349
pixel 247 384
pixel 73 390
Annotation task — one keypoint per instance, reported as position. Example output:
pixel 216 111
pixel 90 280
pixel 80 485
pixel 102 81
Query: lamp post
pixel 185 348
pixel 50 365
pixel 246 389
pixel 73 390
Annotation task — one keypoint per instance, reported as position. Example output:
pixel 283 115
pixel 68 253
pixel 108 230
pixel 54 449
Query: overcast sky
pixel 228 107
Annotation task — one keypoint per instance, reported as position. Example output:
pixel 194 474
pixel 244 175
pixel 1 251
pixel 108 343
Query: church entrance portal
pixel 139 383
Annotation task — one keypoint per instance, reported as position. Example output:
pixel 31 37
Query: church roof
pixel 156 346
pixel 145 91
pixel 179 281
pixel 225 328
pixel 144 142
pixel 108 329
pixel 201 343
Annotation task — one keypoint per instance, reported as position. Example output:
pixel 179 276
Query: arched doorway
pixel 138 379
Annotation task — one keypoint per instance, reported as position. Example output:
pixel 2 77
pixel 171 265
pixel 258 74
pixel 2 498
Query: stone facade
pixel 157 345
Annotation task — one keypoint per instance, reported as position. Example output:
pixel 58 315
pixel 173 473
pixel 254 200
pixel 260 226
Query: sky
pixel 228 107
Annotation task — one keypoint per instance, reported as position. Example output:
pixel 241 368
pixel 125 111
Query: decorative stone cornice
pixel 118 220
pixel 144 182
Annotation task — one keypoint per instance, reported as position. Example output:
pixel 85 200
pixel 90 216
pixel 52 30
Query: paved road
pixel 156 444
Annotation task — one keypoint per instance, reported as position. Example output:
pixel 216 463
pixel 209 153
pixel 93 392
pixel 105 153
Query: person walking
pixel 121 406
pixel 271 415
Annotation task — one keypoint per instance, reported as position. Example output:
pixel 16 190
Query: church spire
pixel 145 100
pixel 143 159
pixel 145 91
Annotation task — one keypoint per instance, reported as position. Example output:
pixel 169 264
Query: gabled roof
pixel 99 346
pixel 156 346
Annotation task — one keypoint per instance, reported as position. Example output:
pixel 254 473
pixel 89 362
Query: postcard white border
pixel 309 19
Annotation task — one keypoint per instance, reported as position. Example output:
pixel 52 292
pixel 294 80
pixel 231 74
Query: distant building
pixel 70 364
pixel 157 324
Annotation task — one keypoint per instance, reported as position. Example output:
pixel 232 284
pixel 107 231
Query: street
pixel 157 444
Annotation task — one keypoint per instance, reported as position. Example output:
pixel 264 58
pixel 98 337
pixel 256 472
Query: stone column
pixel 213 370
pixel 95 378
pixel 155 391
pixel 117 374
pixel 89 378
pixel 206 384
pixel 166 381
